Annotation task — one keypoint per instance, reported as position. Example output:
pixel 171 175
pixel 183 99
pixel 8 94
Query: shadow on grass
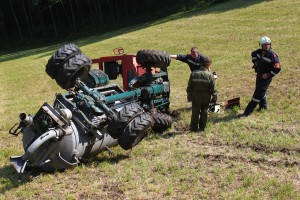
pixel 214 117
pixel 112 158
pixel 102 35
pixel 10 179
pixel 186 109
pixel 230 115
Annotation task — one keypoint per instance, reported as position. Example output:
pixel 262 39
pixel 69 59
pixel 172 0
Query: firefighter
pixel 194 59
pixel 266 64
pixel 201 91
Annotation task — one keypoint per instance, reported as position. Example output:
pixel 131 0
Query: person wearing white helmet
pixel 266 64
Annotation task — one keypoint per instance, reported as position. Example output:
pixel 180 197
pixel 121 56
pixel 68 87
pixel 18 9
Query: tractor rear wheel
pixel 124 116
pixel 77 66
pixel 135 131
pixel 162 122
pixel 61 56
pixel 153 58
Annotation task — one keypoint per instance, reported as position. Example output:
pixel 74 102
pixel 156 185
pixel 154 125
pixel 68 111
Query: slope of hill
pixel 253 158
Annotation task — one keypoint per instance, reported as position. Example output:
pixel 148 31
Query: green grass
pixel 253 158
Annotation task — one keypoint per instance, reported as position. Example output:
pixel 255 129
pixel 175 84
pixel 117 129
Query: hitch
pixel 25 120
pixel 17 130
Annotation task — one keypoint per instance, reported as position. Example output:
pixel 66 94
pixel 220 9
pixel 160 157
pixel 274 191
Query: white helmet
pixel 264 40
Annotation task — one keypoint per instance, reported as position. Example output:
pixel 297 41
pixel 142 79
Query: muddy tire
pixel 60 57
pixel 77 66
pixel 162 122
pixel 151 58
pixel 124 116
pixel 135 131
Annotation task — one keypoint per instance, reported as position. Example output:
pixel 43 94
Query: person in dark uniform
pixel 201 87
pixel 194 59
pixel 266 64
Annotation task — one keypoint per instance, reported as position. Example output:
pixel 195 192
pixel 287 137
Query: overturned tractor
pixel 94 115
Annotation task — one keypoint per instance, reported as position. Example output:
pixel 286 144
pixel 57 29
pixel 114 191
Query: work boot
pixel 242 115
pixel 262 108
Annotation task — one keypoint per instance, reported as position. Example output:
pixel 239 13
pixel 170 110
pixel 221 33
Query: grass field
pixel 253 158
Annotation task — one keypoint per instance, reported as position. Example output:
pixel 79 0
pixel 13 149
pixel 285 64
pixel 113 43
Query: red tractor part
pixel 126 65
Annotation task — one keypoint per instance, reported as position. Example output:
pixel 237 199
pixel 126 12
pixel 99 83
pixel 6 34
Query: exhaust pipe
pixel 27 119
pixel 19 162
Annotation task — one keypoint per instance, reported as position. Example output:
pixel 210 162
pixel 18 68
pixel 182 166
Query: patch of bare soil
pixel 261 151
pixel 261 148
pixel 256 158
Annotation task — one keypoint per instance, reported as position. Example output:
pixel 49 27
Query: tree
pixel 2 26
pixel 16 20
pixel 52 17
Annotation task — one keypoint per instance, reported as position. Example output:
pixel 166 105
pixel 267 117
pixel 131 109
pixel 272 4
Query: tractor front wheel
pixel 135 131
pixel 60 57
pixel 162 122
pixel 77 66
pixel 124 116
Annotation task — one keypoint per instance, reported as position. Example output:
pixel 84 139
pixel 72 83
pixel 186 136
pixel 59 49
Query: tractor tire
pixel 124 117
pixel 112 70
pixel 135 131
pixel 61 56
pixel 77 66
pixel 162 122
pixel 153 58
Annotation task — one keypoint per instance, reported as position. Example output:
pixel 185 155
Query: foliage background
pixel 34 21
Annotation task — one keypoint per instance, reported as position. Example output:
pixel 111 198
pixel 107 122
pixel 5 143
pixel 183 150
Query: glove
pixel 214 99
pixel 215 75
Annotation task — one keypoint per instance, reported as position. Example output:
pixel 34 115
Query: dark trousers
pixel 200 104
pixel 259 96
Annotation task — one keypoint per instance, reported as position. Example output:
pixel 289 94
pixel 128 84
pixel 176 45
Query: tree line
pixel 27 20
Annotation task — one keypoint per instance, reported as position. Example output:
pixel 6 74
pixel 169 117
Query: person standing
pixel 266 64
pixel 194 59
pixel 201 87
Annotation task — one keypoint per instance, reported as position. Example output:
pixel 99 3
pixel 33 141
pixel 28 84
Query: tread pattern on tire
pixel 124 116
pixel 59 57
pixel 77 66
pixel 149 58
pixel 135 131
pixel 162 121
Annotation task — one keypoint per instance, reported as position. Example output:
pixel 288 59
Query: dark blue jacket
pixel 194 64
pixel 266 62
